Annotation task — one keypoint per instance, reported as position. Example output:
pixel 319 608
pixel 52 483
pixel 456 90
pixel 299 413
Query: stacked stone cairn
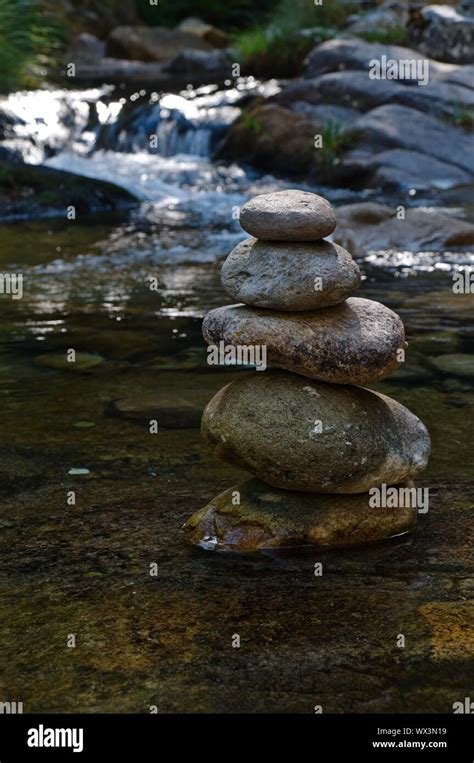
pixel 316 440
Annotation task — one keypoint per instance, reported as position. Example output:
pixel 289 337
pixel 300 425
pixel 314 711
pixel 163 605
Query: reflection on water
pixel 133 291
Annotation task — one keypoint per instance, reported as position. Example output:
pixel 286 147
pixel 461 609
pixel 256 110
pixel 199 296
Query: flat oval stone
pixel 290 276
pixel 170 412
pixel 355 342
pixel 288 216
pixel 454 364
pixel 314 437
pixel 59 361
pixel 268 518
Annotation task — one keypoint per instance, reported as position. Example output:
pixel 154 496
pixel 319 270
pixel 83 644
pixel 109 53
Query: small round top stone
pixel 288 216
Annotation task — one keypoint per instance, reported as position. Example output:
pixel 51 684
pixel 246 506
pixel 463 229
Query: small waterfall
pixel 192 122
pixel 171 126
pixel 37 124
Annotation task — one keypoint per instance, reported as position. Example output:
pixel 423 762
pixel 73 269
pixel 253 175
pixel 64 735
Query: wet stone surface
pixel 252 516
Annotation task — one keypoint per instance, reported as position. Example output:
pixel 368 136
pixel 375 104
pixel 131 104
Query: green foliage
pixel 335 142
pixel 272 51
pixel 251 123
pixel 227 15
pixel 462 116
pixel 278 48
pixel 304 13
pixel 26 40
pixel 389 35
pixel 335 139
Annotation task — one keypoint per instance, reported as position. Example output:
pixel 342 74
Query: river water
pixel 83 568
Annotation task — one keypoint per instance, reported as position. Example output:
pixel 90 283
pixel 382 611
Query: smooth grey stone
pixel 283 276
pixel 290 215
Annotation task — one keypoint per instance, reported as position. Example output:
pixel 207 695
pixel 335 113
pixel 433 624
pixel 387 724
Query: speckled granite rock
pixel 355 342
pixel 314 437
pixel 288 216
pixel 290 276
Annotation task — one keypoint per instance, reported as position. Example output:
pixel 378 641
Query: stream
pixel 83 567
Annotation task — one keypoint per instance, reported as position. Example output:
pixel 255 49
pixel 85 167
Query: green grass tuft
pixel 389 35
pixel 27 38
pixel 278 48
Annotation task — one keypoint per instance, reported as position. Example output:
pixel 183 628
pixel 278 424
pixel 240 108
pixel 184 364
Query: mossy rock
pixel 28 190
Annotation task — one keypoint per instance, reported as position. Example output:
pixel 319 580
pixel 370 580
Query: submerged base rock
pixel 454 364
pixel 59 361
pixel 268 518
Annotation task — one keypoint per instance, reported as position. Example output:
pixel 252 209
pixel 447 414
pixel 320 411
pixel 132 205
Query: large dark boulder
pixel 394 126
pixel 273 138
pixel 29 191
pixel 442 32
pixel 141 43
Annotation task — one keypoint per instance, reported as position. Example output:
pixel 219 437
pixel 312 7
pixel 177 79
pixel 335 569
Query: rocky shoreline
pixel 405 132
pixel 382 133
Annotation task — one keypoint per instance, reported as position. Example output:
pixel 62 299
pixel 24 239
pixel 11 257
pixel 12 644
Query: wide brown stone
pixel 211 34
pixel 356 342
pixel 314 437
pixel 268 518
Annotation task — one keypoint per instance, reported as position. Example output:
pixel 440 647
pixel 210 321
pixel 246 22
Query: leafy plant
pixel 272 51
pixel 462 116
pixel 278 48
pixel 335 142
pixel 26 40
pixel 237 14
pixel 389 35
pixel 251 123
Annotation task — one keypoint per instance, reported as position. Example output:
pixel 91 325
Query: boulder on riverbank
pixel 142 43
pixel 443 32
pixel 28 191
pixel 150 55
pixel 370 226
pixel 279 140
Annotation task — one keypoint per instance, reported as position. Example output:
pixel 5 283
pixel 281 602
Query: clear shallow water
pixel 84 568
